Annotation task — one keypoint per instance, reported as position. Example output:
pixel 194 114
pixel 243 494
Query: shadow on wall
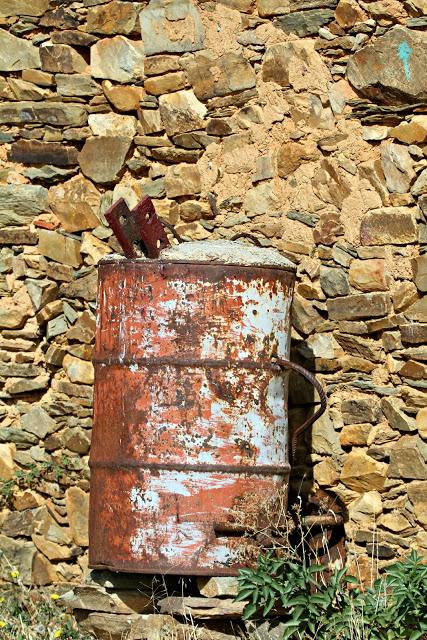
pixel 305 495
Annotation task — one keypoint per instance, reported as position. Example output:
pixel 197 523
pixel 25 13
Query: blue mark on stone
pixel 405 53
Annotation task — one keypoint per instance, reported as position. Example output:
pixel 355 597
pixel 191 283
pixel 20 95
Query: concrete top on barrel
pixel 219 252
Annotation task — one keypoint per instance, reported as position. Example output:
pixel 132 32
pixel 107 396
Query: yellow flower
pixel 58 633
pixel 14 574
pixel 2 624
pixel 1 600
pixel 54 596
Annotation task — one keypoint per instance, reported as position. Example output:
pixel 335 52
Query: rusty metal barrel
pixel 190 433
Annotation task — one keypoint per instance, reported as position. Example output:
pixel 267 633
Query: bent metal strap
pixel 286 364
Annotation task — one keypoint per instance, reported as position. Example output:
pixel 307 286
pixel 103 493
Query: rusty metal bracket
pixel 287 364
pixel 139 226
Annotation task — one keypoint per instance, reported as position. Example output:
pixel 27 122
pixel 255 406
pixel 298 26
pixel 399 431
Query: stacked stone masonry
pixel 303 122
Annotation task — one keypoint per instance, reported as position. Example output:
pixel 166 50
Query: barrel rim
pixel 121 260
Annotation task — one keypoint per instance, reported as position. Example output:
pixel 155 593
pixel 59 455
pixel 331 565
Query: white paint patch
pixel 133 368
pixel 276 397
pixel 184 539
pixel 188 483
pixel 220 554
pixel 178 542
pixel 144 501
pixel 264 316
pixel 207 346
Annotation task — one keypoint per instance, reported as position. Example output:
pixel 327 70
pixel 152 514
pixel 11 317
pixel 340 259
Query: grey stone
pixel 48 173
pixel 264 169
pixel 406 459
pixel 103 157
pixel 76 84
pixel 38 422
pixel 419 267
pixel 154 188
pixel 109 626
pixel 21 523
pixel 22 439
pixel 310 219
pixel 27 90
pixel 10 370
pixel 201 608
pixel 94 598
pixel 419 187
pixel 234 220
pixel 56 327
pixel 265 630
pixel 398 167
pixel 324 439
pixel 14 386
pixel 73 37
pixel 84 287
pixel 413 333
pixel 55 113
pixel 20 203
pixel 361 409
pixel 397 419
pixel 392 70
pixel 41 292
pixel 171 26
pixel 334 282
pixel 118 59
pixel 20 555
pixel 17 54
pixel 305 23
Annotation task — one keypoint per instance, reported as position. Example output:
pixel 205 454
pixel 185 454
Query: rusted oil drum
pixel 190 419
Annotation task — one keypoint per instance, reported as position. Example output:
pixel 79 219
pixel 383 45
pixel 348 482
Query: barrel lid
pixel 219 252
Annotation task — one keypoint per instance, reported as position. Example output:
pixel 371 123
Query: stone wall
pixel 301 121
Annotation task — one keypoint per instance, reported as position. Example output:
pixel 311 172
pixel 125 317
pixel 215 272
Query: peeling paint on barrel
pixel 190 414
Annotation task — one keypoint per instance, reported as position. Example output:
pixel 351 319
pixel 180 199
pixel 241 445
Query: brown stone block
pixel 35 152
pixel 391 225
pixel 61 58
pixel 368 305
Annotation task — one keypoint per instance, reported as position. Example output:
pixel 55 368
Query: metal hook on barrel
pixel 287 364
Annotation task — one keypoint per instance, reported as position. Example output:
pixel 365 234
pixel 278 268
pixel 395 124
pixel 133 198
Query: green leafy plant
pixel 28 478
pixel 315 605
pixel 395 607
pixel 297 589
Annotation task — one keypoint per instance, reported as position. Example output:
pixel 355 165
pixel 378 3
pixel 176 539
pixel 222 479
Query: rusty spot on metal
pixel 190 413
